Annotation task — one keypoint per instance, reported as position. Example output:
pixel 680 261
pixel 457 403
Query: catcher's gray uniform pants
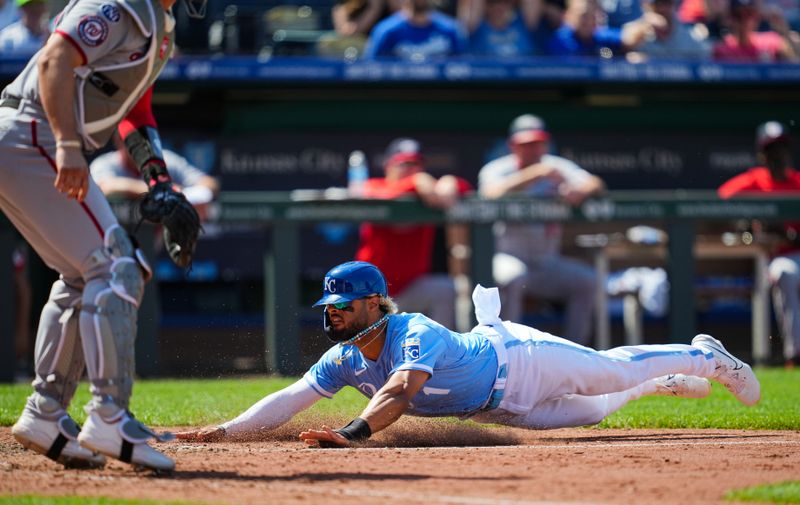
pixel 79 240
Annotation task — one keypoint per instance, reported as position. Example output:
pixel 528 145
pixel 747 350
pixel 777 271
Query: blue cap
pixel 351 281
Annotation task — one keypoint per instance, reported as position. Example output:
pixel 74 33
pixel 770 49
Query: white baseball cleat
pixel 683 386
pixel 731 372
pixel 55 439
pixel 124 438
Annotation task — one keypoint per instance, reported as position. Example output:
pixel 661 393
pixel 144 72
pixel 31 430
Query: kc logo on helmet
pixel 334 285
pixel 330 284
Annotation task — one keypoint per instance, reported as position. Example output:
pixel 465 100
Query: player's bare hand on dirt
pixel 212 434
pixel 326 437
pixel 73 173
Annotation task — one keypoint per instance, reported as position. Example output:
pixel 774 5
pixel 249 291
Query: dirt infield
pixel 419 462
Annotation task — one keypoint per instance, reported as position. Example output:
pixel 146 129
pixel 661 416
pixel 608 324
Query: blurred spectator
pixel 416 33
pixel 744 44
pixel 528 258
pixel 551 19
pixel 619 12
pixel 403 252
pixel 789 8
pixel 773 176
pixel 29 34
pixel 117 175
pixel 499 28
pixel 706 15
pixel 358 17
pixel 8 12
pixel 658 34
pixel 581 35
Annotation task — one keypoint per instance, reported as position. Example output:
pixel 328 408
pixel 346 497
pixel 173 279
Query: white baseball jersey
pixel 183 173
pixel 526 241
pixel 16 39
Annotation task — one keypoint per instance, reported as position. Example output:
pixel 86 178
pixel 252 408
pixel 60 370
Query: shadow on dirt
pixel 315 477
pixel 407 432
pixel 660 437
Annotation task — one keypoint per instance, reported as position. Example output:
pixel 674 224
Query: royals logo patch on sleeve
pixel 93 30
pixel 411 348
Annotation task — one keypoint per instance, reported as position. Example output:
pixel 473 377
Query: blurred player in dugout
pixel 774 175
pixel 404 252
pixel 528 258
pixel 118 176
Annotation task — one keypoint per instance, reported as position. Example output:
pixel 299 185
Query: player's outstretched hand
pixel 326 437
pixel 212 434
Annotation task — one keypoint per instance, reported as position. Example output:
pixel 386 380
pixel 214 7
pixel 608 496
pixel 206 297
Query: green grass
pixel 80 500
pixel 201 402
pixel 187 402
pixel 779 408
pixel 782 492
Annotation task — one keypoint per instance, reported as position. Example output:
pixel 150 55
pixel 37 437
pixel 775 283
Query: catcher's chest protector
pixel 106 93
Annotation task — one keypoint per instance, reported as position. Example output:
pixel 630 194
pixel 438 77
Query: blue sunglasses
pixel 342 305
pixel 346 306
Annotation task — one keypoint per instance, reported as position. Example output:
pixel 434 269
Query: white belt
pixel 487 312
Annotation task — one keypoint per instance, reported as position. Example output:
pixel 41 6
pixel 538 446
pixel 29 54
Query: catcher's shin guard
pixel 114 288
pixel 58 354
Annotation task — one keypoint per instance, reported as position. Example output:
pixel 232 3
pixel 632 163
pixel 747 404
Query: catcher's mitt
pixel 168 207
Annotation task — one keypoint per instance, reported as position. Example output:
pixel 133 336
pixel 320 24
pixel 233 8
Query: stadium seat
pixel 333 45
pixel 292 29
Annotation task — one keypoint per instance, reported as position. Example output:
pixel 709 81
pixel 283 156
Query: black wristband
pixel 357 431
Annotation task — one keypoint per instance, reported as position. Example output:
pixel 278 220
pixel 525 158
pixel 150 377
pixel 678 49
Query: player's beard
pixel 350 330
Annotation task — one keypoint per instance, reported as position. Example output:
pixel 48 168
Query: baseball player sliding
pixel 500 372
pixel 93 75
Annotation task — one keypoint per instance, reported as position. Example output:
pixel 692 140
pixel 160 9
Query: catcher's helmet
pixel 769 133
pixel 351 281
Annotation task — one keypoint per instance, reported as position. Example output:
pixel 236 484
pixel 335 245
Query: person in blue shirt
pixel 581 36
pixel 416 33
pixel 498 28
pixel 551 18
pixel 29 34
pixel 619 12
pixel 500 372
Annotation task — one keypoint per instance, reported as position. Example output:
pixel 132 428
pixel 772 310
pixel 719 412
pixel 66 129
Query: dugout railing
pixel 679 213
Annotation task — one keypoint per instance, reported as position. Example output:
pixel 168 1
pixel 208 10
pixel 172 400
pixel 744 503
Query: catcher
pixel 500 372
pixel 94 74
